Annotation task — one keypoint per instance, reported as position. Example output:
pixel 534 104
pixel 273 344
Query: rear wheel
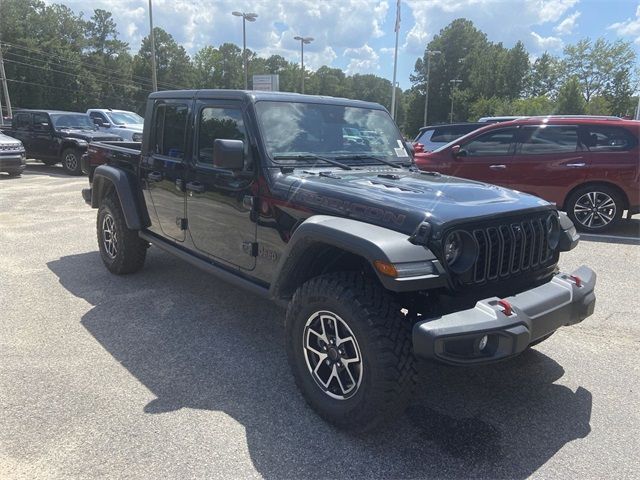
pixel 121 249
pixel 71 161
pixel 595 208
pixel 350 350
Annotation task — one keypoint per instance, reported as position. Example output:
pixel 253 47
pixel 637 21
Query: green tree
pixel 544 76
pixel 570 100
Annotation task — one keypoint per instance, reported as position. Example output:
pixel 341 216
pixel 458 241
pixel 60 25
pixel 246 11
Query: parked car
pixel 376 262
pixel 586 166
pixel 12 156
pixel 433 137
pixel 53 136
pixel 123 123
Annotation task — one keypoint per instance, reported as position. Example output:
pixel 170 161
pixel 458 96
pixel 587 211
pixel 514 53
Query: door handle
pixel 195 187
pixel 575 165
pixel 154 176
pixel 497 167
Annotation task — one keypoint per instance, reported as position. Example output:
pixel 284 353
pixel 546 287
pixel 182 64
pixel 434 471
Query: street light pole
pixel 395 62
pixel 454 84
pixel 303 41
pixel 246 17
pixel 426 93
pixel 154 78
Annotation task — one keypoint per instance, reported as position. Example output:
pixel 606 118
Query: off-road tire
pixel 602 191
pixel 130 250
pixel 383 334
pixel 71 161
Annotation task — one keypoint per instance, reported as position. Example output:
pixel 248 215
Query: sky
pixel 358 35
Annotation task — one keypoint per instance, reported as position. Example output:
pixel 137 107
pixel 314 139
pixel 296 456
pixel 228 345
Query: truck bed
pixel 121 153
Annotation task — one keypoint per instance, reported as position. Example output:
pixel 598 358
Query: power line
pixel 81 63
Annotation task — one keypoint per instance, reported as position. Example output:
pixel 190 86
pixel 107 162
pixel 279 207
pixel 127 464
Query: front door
pixel 42 143
pixel 219 203
pixel 163 168
pixel 486 157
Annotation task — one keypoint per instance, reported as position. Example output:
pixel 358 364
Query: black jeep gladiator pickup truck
pixel 376 262
pixel 53 137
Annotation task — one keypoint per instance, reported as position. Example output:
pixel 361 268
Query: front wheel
pixel 349 348
pixel 595 208
pixel 71 161
pixel 121 249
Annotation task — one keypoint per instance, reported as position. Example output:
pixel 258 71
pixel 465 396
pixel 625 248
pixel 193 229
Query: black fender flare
pixel 371 242
pixel 76 143
pixel 127 188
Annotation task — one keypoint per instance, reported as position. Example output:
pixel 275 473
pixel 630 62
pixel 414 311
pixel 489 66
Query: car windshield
pixel 295 131
pixel 125 118
pixel 72 120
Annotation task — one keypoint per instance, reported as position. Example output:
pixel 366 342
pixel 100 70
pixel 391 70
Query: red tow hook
pixel 507 310
pixel 577 280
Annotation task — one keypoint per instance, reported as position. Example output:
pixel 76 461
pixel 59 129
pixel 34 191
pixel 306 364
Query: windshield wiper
pixel 311 156
pixel 372 157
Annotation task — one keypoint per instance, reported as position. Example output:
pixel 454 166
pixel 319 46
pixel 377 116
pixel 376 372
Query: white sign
pixel 268 83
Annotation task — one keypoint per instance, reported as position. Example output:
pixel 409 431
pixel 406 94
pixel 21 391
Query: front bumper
pixel 13 162
pixel 457 338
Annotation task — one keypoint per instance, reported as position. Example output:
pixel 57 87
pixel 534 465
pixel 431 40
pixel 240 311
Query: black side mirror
pixel 43 127
pixel 457 151
pixel 228 154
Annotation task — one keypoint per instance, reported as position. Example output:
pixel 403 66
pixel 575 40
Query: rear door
pixel 548 161
pixel 219 203
pixel 486 157
pixel 163 168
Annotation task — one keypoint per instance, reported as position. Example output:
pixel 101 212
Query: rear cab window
pixel 170 129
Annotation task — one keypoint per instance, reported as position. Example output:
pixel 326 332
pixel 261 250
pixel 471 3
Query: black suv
pixel 376 262
pixel 52 136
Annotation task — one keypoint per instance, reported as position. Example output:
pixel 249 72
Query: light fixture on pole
pixel 154 75
pixel 303 41
pixel 246 17
pixel 454 84
pixel 426 93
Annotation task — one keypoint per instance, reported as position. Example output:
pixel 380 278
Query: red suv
pixel 587 166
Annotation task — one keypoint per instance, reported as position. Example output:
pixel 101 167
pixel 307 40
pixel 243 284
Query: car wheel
pixel 71 161
pixel 595 208
pixel 121 249
pixel 350 350
pixel 14 173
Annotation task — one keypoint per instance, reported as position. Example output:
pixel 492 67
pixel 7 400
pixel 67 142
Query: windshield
pixel 292 131
pixel 72 120
pixel 125 118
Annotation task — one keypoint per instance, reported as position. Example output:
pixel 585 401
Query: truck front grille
pixel 510 248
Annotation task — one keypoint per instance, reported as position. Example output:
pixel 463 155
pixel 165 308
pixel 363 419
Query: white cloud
pixel 548 10
pixel 628 28
pixel 566 26
pixel 547 43
pixel 362 60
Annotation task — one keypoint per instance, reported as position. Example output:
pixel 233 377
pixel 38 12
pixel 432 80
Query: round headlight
pixel 552 228
pixel 460 251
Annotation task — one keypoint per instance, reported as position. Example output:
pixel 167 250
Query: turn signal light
pixel 385 268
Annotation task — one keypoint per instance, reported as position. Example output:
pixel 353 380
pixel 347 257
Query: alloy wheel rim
pixel 109 236
pixel 71 161
pixel 595 210
pixel 332 355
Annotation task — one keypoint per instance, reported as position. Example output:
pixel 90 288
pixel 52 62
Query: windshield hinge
pixel 250 248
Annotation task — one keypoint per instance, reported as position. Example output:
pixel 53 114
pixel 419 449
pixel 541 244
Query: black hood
pixel 402 199
pixel 88 135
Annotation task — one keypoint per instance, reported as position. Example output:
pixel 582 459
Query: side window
pixel 548 139
pixel 608 139
pixel 450 133
pixel 41 121
pixel 21 120
pixel 170 129
pixel 219 122
pixel 425 136
pixel 95 115
pixel 491 143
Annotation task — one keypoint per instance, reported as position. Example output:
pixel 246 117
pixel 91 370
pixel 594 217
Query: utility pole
pixel 395 63
pixel 3 79
pixel 154 78
pixel 426 93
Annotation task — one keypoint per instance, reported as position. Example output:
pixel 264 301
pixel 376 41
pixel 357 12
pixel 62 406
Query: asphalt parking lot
pixel 170 373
